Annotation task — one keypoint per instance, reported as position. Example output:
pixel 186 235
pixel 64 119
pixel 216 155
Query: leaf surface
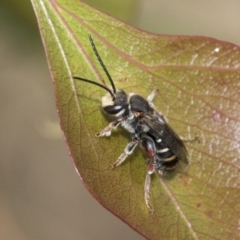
pixel 199 84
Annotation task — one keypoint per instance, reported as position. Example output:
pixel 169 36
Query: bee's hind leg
pixel 192 139
pixel 149 148
pixel 147 186
pixel 151 165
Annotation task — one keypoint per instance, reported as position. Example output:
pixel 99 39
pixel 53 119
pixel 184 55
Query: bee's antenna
pixel 102 64
pixel 96 83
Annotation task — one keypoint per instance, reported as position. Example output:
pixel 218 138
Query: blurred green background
pixel 41 196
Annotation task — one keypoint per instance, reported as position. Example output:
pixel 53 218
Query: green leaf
pixel 124 10
pixel 199 84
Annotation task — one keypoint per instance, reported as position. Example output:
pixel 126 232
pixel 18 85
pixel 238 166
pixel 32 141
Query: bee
pixel 148 128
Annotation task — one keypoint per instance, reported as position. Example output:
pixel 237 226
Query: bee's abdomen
pixel 166 160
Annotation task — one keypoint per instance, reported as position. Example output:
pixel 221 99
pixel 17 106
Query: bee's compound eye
pixel 114 109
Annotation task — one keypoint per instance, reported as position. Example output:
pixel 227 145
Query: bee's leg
pixel 147 186
pixel 108 130
pixel 152 95
pixel 127 151
pixel 193 139
pixel 149 147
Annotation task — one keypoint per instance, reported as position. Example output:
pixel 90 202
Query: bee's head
pixel 115 101
pixel 115 105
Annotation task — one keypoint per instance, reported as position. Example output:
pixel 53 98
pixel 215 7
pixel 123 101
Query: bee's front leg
pixel 108 130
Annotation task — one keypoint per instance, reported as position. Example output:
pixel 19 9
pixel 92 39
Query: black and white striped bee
pixel 148 128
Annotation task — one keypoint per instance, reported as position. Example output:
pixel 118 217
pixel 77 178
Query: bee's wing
pixel 160 129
